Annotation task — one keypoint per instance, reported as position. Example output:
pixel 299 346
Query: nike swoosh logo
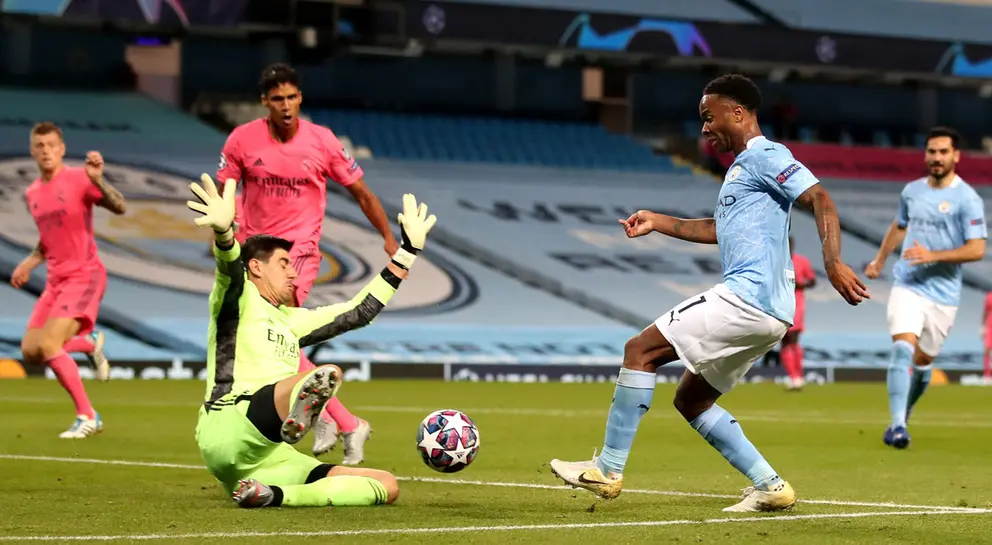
pixel 582 479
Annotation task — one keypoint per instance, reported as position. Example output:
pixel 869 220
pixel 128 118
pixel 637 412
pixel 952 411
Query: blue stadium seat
pixel 493 140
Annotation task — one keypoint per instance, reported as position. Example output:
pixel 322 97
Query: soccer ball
pixel 447 441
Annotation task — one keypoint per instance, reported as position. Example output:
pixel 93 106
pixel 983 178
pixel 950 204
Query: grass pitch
pixel 141 480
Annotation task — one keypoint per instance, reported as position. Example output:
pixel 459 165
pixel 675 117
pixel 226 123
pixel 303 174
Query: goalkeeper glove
pixel 415 224
pixel 217 210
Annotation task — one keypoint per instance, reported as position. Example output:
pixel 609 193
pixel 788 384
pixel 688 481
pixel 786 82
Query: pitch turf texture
pixel 141 478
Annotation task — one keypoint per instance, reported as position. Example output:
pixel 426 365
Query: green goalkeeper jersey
pixel 252 343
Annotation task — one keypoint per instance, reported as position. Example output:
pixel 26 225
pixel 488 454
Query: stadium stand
pixel 493 140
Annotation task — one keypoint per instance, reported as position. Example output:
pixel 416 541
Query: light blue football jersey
pixel 752 226
pixel 940 219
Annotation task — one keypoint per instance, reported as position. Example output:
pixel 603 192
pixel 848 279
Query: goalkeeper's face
pixel 274 277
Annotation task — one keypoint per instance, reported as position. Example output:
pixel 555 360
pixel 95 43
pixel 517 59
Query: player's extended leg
pixel 632 397
pixel 695 399
pixel 341 487
pixel 299 400
pixel 922 368
pixel 45 346
pixel 91 346
pixel 336 418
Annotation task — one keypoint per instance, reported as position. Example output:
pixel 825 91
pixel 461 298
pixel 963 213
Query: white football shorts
pixel 910 312
pixel 719 336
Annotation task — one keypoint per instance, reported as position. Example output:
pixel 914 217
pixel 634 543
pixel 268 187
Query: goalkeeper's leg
pixel 298 401
pixel 342 487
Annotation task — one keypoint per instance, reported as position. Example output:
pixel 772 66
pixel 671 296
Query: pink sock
pixel 788 357
pixel 346 421
pixel 79 343
pixel 305 363
pixel 67 372
pixel 798 362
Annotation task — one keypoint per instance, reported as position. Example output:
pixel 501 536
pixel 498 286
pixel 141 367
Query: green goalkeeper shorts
pixel 233 449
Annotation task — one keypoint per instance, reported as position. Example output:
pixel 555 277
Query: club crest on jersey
pixel 787 173
pixel 944 207
pixel 734 173
pixel 308 165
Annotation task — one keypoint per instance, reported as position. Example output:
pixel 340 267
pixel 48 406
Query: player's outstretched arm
pixel 112 199
pixel 323 323
pixel 373 210
pixel 844 280
pixel 218 214
pixel 894 238
pixel 643 222
pixel 22 273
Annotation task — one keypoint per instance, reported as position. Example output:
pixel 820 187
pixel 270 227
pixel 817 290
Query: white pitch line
pixel 508 528
pixel 534 486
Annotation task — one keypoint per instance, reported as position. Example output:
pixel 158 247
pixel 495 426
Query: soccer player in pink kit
pixel 283 163
pixel 61 203
pixel 792 352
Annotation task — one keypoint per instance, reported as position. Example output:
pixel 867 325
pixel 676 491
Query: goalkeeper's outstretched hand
pixel 217 210
pixel 415 224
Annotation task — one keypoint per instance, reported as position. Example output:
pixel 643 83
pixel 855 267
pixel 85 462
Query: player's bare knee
pixel 50 347
pixel 391 485
pixel 32 352
pixel 635 355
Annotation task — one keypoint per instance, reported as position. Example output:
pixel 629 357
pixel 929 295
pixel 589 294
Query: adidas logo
pixel 258 162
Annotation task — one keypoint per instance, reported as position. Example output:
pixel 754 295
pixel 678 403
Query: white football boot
pixel 98 359
pixel 83 427
pixel 354 444
pixel 325 435
pixel 781 497
pixel 587 475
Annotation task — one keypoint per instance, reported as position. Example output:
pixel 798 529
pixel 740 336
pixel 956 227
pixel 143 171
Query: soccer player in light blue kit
pixel 720 333
pixel 940 225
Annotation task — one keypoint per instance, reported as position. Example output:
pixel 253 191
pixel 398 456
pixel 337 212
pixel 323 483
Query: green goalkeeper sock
pixel 338 491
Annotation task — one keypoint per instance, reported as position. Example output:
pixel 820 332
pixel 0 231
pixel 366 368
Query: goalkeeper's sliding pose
pixel 257 405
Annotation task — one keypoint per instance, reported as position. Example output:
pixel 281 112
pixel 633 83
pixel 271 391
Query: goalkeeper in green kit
pixel 257 404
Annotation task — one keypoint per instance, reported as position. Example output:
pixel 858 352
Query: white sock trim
pixel 630 378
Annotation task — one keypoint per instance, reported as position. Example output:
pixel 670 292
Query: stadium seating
pixel 527 263
pixel 492 140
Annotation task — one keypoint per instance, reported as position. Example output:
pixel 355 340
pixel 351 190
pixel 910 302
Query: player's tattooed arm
pixel 643 222
pixel 112 199
pixel 843 279
pixel 702 231
pixel 818 201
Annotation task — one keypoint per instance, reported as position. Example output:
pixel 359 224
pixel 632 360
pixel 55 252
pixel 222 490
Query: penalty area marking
pixel 927 508
pixel 508 528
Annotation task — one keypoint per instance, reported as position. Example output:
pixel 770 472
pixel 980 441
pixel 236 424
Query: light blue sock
pixel 898 381
pixel 631 399
pixel 722 431
pixel 919 383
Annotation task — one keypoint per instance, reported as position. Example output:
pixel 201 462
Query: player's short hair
pixel 261 247
pixel 955 136
pixel 277 74
pixel 738 88
pixel 46 127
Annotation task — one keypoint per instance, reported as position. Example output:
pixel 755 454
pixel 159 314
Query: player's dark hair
pixel 275 75
pixel 261 247
pixel 738 88
pixel 46 127
pixel 955 136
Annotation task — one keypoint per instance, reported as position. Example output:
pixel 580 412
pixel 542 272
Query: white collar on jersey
pixel 753 140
